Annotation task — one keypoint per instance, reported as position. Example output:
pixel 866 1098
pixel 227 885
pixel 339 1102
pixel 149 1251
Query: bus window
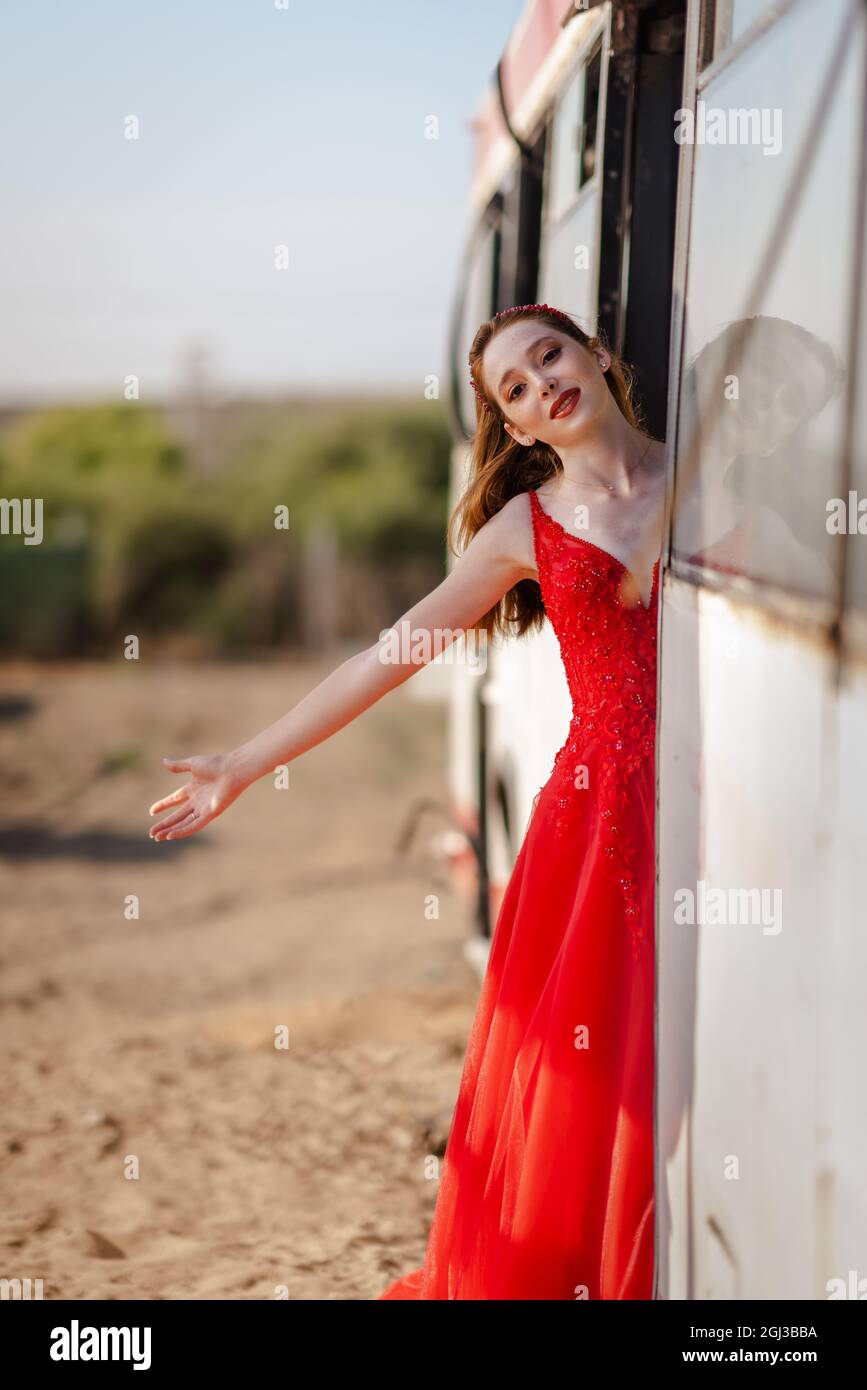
pixel 478 303
pixel 563 177
pixel 569 253
pixel 768 305
pixel 727 20
pixel 589 126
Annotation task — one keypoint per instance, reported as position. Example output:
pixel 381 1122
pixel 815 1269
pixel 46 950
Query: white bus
pixel 689 179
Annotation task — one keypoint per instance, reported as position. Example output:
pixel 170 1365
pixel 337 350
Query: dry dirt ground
pixel 156 1143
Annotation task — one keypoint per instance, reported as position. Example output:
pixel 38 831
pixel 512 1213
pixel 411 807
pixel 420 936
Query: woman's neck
pixel 609 456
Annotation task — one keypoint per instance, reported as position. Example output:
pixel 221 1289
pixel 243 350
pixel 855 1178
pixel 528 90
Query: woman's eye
pixel 545 357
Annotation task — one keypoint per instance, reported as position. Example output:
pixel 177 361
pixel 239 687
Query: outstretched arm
pixel 490 565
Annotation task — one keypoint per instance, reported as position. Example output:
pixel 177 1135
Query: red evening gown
pixel 546 1188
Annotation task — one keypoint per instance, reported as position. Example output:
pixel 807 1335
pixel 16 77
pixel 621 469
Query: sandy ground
pixel 156 1143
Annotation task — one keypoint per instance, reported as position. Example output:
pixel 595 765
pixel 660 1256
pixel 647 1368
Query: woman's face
pixel 530 369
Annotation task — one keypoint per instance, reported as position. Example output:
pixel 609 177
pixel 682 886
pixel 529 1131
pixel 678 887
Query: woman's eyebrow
pixel 530 350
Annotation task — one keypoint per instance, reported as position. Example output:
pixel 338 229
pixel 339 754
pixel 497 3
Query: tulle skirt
pixel 546 1189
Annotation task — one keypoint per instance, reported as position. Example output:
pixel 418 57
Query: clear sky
pixel 259 126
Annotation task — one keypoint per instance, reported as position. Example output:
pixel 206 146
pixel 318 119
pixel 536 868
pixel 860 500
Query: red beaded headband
pixel 515 308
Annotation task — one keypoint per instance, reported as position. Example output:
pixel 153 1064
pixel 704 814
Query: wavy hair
pixel 500 467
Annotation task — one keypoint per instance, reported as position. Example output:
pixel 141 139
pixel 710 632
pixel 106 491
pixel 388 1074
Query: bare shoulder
pixel 509 533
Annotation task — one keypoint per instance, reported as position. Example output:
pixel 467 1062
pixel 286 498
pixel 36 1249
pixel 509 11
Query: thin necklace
pixel 609 487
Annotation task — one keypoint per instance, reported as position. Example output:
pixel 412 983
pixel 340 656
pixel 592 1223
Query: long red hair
pixel 500 467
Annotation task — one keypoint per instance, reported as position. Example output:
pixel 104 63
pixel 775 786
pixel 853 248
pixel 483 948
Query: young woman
pixel 546 1190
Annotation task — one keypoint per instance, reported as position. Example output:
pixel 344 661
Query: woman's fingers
pixel 186 827
pixel 170 822
pixel 182 794
pixel 203 787
pixel 174 799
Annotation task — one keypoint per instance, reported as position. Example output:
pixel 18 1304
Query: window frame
pixel 598 37
pixel 819 616
pixel 712 62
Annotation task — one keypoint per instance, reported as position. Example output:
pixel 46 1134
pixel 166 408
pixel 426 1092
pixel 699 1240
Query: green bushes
pixel 140 539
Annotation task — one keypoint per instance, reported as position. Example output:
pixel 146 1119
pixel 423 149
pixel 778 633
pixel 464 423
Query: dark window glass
pixel 587 160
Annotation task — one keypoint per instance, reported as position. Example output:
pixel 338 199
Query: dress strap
pixel 541 556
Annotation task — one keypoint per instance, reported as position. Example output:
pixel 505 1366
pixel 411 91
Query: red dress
pixel 546 1189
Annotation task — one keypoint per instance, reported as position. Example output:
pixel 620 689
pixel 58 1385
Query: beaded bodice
pixel 607 639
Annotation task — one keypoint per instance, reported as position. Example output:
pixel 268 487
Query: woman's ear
pixel 518 436
pixel 602 357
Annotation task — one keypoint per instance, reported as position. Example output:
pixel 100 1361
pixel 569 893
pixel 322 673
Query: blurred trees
pixel 135 541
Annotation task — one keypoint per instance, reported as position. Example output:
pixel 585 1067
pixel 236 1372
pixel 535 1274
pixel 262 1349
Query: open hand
pixel 213 785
